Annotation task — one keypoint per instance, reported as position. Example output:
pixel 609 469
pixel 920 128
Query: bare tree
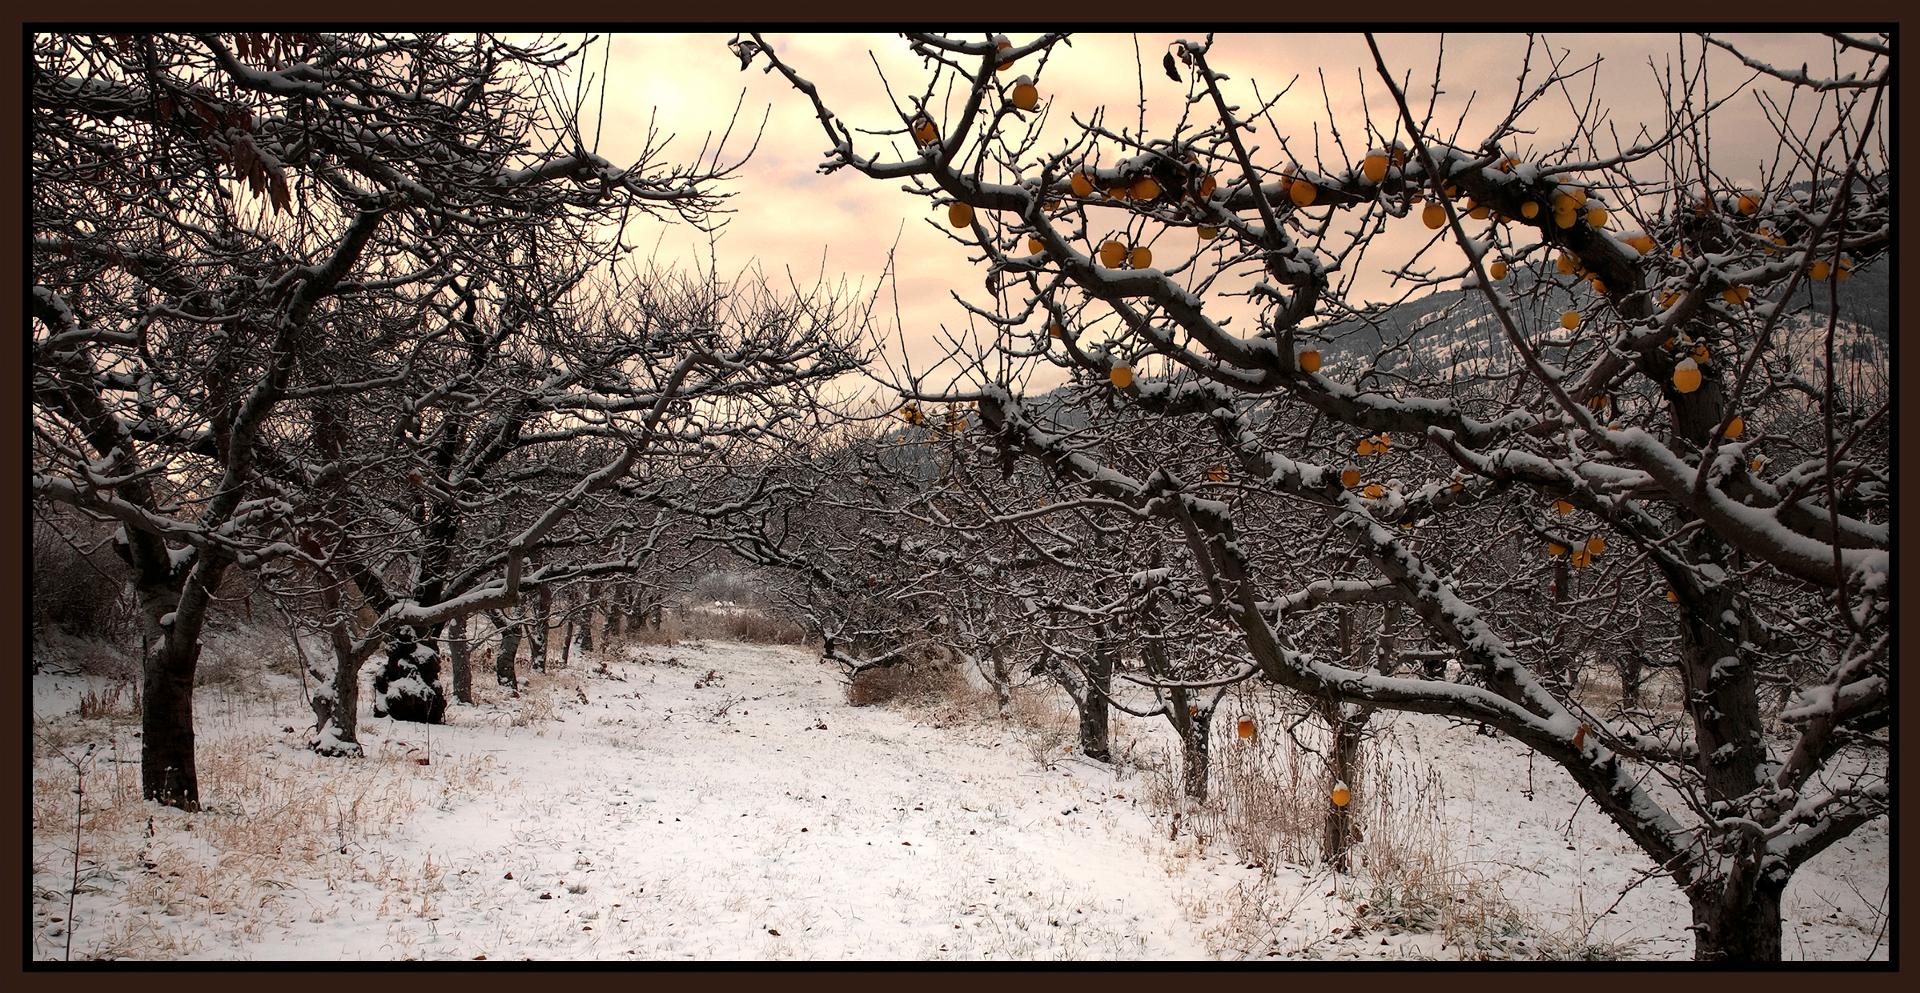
pixel 217 218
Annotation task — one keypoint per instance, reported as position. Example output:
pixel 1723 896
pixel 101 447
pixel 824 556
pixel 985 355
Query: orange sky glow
pixel 790 217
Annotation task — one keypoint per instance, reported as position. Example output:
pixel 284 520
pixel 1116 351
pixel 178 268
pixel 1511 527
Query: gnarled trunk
pixel 336 704
pixel 538 626
pixel 460 654
pixel 1196 754
pixel 504 669
pixel 167 770
pixel 1337 830
pixel 1739 922
pixel 1096 740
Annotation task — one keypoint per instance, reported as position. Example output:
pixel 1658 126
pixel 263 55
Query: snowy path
pixel 725 802
pixel 761 834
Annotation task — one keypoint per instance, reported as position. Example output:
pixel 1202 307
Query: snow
pixel 631 815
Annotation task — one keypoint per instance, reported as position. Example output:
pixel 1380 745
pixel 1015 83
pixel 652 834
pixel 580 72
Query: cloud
pixel 789 213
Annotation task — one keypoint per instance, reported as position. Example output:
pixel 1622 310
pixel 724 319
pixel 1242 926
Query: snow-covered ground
pixel 725 802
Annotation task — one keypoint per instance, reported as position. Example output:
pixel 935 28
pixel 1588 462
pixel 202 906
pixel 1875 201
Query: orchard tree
pixel 1648 415
pixel 233 233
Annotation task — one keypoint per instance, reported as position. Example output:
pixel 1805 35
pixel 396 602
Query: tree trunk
pixel 407 687
pixel 1343 767
pixel 1632 672
pixel 336 704
pixel 1738 924
pixel 1002 680
pixel 1095 725
pixel 175 604
pixel 1337 830
pixel 538 627
pixel 1554 667
pixel 1196 744
pixel 167 771
pixel 586 617
pixel 460 653
pixel 504 670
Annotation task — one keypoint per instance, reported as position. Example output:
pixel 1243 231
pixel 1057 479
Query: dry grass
pixel 1267 806
pixel 941 690
pixel 277 823
pixel 739 625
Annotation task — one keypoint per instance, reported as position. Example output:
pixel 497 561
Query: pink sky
pixel 791 216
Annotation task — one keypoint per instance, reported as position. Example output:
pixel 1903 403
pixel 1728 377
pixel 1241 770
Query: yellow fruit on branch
pixel 1596 545
pixel 924 132
pixel 959 214
pixel 1564 219
pixel 1737 426
pixel 1555 549
pixel 1374 491
pixel 1365 447
pixel 1026 96
pixel 1641 243
pixel 1216 474
pixel 1477 211
pixel 1302 193
pixel 1570 320
pixel 1001 44
pixel 1082 184
pixel 1819 271
pixel 1748 203
pixel 1702 354
pixel 1498 271
pixel 1342 795
pixel 1349 478
pixel 1686 376
pixel 1374 167
pixel 1245 728
pixel 1434 216
pixel 1565 265
pixel 1562 507
pixel 1208 232
pixel 1035 246
pixel 1121 376
pixel 1056 331
pixel 1530 210
pixel 1140 258
pixel 1208 183
pixel 1597 217
pixel 1310 361
pixel 1117 192
pixel 1580 558
pixel 1673 597
pixel 1112 253
pixel 910 413
pixel 1145 189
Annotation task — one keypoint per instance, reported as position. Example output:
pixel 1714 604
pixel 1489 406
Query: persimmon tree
pixel 1686 475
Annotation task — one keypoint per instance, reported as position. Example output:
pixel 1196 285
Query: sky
pixel 790 216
